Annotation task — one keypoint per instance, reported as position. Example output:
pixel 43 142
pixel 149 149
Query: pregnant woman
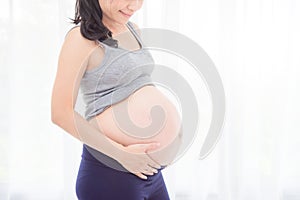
pixel 130 131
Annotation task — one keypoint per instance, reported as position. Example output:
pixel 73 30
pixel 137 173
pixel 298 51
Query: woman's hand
pixel 136 160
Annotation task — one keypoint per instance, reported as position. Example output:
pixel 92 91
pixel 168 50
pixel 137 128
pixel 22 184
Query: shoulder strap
pixel 137 35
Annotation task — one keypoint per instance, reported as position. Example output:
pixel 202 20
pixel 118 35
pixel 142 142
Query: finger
pixel 151 169
pixel 154 170
pixel 153 163
pixel 147 172
pixel 140 175
pixel 154 166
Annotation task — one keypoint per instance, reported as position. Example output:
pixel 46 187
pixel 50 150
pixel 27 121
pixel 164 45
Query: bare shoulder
pixel 77 47
pixel 76 39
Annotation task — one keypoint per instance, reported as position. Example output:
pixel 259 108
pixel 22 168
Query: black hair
pixel 89 14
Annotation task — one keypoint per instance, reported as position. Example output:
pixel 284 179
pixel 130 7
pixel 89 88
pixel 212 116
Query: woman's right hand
pixel 136 160
pixel 134 157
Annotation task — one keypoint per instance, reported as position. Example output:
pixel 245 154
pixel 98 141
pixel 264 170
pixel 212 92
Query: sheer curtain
pixel 255 45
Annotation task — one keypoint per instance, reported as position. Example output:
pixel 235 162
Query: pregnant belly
pixel 145 116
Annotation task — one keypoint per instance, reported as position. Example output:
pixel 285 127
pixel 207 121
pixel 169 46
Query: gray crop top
pixel 120 73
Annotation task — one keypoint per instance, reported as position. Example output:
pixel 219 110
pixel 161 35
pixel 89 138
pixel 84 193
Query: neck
pixel 115 27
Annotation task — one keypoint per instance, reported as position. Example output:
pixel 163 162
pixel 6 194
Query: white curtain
pixel 255 45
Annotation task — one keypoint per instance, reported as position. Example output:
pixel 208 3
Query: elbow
pixel 58 115
pixel 55 116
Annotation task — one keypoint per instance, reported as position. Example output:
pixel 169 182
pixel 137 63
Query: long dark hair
pixel 89 14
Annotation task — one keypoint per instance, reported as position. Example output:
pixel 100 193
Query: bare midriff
pixel 138 106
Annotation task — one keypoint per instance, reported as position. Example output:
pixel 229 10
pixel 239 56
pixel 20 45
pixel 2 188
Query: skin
pixel 112 13
pixel 77 55
pixel 138 109
pixel 115 21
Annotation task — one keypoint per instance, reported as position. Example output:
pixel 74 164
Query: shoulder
pixel 77 49
pixel 76 46
pixel 75 38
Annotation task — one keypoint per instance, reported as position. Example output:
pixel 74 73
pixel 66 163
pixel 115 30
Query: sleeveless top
pixel 120 73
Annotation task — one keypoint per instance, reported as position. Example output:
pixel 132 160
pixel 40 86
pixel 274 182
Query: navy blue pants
pixel 97 181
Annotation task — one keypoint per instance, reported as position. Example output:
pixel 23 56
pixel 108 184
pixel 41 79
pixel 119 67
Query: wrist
pixel 117 151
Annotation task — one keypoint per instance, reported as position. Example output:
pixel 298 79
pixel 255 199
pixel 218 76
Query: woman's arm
pixel 72 63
